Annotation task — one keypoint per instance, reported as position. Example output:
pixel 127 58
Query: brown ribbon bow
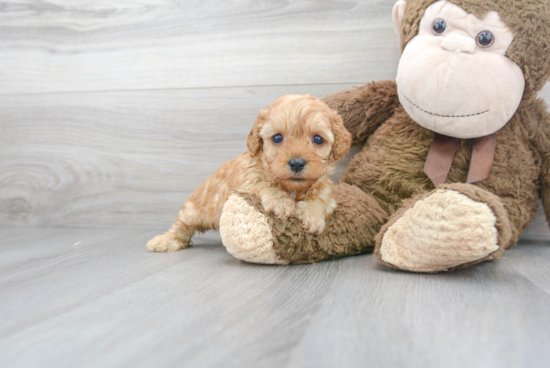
pixel 443 150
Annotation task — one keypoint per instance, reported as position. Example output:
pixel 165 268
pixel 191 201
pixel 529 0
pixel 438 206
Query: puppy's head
pixel 296 137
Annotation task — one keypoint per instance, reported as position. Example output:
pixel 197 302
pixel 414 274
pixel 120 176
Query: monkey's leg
pixel 454 226
pixel 250 234
pixel 178 237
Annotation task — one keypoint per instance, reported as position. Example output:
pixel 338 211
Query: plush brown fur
pixel 389 169
pixel 350 230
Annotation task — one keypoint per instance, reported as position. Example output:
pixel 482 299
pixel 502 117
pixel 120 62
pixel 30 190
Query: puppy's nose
pixel 297 164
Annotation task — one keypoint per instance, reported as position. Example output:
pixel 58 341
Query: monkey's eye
pixel 485 39
pixel 277 138
pixel 318 140
pixel 439 27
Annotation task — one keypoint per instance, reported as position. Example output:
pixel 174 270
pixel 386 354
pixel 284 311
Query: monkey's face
pixel 454 78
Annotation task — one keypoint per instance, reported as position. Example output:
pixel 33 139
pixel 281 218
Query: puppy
pixel 293 143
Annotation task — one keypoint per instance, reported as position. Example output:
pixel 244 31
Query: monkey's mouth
pixel 443 116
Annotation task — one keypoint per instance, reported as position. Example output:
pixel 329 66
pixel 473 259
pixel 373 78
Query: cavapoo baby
pixel 290 149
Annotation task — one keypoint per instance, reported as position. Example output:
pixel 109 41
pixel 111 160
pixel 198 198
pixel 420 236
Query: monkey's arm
pixel 539 121
pixel 365 108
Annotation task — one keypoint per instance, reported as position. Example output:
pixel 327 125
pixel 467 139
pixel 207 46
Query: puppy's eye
pixel 318 140
pixel 485 39
pixel 277 138
pixel 439 27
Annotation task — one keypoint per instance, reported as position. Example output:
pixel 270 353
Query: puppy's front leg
pixel 313 212
pixel 276 201
pixel 178 237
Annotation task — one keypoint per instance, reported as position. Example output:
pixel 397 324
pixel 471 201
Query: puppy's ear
pixel 342 138
pixel 254 141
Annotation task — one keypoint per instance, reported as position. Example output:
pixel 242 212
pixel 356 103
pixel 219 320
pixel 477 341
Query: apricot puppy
pixel 293 144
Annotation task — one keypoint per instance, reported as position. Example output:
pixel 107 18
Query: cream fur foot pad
pixel 246 233
pixel 441 231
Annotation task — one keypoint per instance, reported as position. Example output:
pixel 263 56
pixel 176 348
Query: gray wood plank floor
pixel 112 112
pixel 97 45
pixel 95 298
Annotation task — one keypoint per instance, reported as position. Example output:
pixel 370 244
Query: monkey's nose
pixel 297 164
pixel 458 43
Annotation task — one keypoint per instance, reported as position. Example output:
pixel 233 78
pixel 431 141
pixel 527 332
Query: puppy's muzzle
pixel 297 164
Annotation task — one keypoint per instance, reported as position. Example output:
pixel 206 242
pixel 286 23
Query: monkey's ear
pixel 254 141
pixel 342 138
pixel 398 13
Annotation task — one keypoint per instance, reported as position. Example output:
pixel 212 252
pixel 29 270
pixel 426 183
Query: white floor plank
pixel 95 45
pixel 120 159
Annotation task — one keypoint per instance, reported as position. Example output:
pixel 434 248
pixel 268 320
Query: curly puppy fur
pixel 265 171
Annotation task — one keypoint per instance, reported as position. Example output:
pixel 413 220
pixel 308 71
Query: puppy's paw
pixel 165 243
pixel 280 207
pixel 312 222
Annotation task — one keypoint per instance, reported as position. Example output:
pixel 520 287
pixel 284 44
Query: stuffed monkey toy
pixel 454 156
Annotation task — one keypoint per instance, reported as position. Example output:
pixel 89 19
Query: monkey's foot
pixel 441 231
pixel 246 233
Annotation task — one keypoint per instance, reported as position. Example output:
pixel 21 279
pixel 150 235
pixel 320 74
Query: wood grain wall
pixel 112 112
